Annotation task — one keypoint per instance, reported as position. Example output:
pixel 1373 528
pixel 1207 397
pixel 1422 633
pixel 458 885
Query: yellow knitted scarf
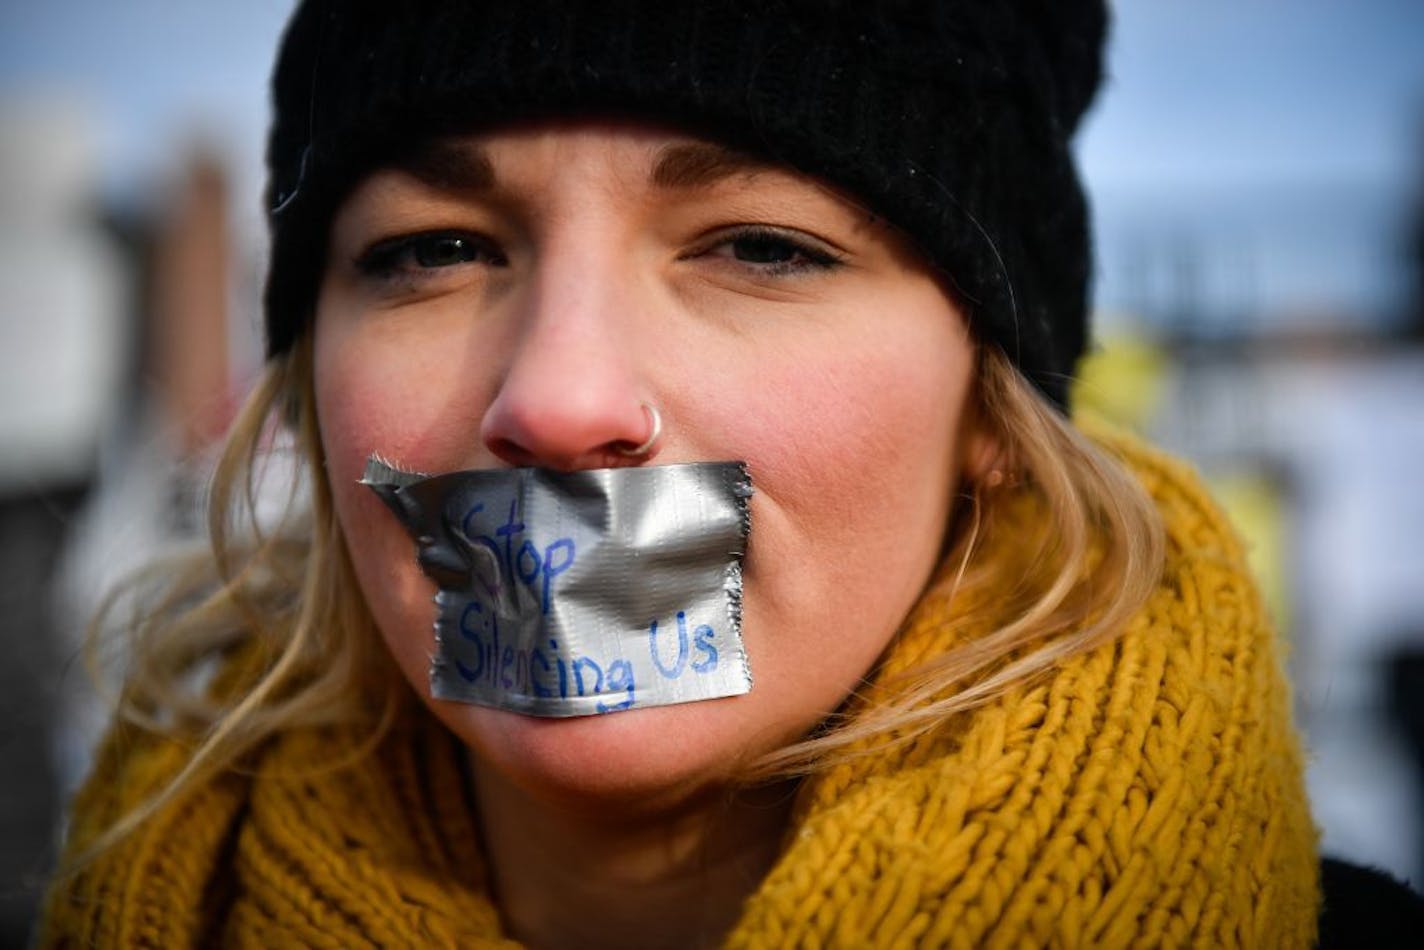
pixel 1149 793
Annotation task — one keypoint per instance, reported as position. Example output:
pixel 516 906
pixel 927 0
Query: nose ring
pixel 655 431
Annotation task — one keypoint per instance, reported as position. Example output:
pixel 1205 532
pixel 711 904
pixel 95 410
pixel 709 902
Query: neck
pixel 568 877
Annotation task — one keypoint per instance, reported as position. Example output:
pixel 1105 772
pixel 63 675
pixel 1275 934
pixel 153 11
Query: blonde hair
pixel 278 613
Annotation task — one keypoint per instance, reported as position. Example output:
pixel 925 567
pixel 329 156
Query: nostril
pixel 507 450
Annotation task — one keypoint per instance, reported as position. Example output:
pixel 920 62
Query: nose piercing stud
pixel 655 430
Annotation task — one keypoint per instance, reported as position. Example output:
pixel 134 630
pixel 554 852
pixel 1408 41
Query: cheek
pixel 850 439
pixel 858 431
pixel 404 394
pixel 854 453
pixel 375 394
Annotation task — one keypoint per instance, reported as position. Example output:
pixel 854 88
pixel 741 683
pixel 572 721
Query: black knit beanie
pixel 951 119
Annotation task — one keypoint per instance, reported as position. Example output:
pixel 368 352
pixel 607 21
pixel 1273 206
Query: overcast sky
pixel 1245 89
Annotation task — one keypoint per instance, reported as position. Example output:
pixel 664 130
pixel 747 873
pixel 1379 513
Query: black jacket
pixel 1365 908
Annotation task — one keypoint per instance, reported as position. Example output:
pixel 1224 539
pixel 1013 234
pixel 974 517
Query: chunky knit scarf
pixel 1149 793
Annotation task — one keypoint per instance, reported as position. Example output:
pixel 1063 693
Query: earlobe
pixel 986 460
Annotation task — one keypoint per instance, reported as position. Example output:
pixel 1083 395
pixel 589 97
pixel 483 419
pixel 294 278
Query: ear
pixel 984 453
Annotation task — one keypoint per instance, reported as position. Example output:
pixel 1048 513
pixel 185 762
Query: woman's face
pixel 514 298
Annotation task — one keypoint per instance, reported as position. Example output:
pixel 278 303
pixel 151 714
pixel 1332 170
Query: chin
pixel 631 763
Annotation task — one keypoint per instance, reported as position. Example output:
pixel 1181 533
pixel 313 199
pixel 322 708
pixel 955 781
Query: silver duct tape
pixel 576 593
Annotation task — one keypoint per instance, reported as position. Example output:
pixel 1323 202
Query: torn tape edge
pixel 380 472
pixel 734 579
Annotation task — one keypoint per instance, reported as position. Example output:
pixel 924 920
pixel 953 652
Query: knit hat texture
pixel 951 119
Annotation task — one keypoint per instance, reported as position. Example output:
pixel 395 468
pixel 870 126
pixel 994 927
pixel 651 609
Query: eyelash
pixel 399 256
pixel 812 256
pixel 410 255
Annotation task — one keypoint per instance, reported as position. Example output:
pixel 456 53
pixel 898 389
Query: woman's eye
pixel 773 251
pixel 764 249
pixel 415 253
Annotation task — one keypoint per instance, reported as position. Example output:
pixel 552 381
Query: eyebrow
pixel 699 164
pixel 452 166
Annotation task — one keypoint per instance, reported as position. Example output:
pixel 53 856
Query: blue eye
pixel 773 251
pixel 443 250
pixel 429 251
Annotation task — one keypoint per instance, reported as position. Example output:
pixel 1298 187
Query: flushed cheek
pixel 361 412
pixel 423 412
pixel 843 439
pixel 847 520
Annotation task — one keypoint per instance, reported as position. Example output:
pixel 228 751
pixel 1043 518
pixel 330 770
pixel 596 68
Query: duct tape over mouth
pixel 575 593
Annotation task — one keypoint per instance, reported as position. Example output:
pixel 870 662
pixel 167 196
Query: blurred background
pixel 1257 171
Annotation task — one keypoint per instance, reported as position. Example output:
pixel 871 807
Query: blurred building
pixel 63 318
pixel 118 378
pixel 1275 325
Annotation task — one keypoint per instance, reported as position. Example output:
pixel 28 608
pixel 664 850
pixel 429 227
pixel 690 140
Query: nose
pixel 572 395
